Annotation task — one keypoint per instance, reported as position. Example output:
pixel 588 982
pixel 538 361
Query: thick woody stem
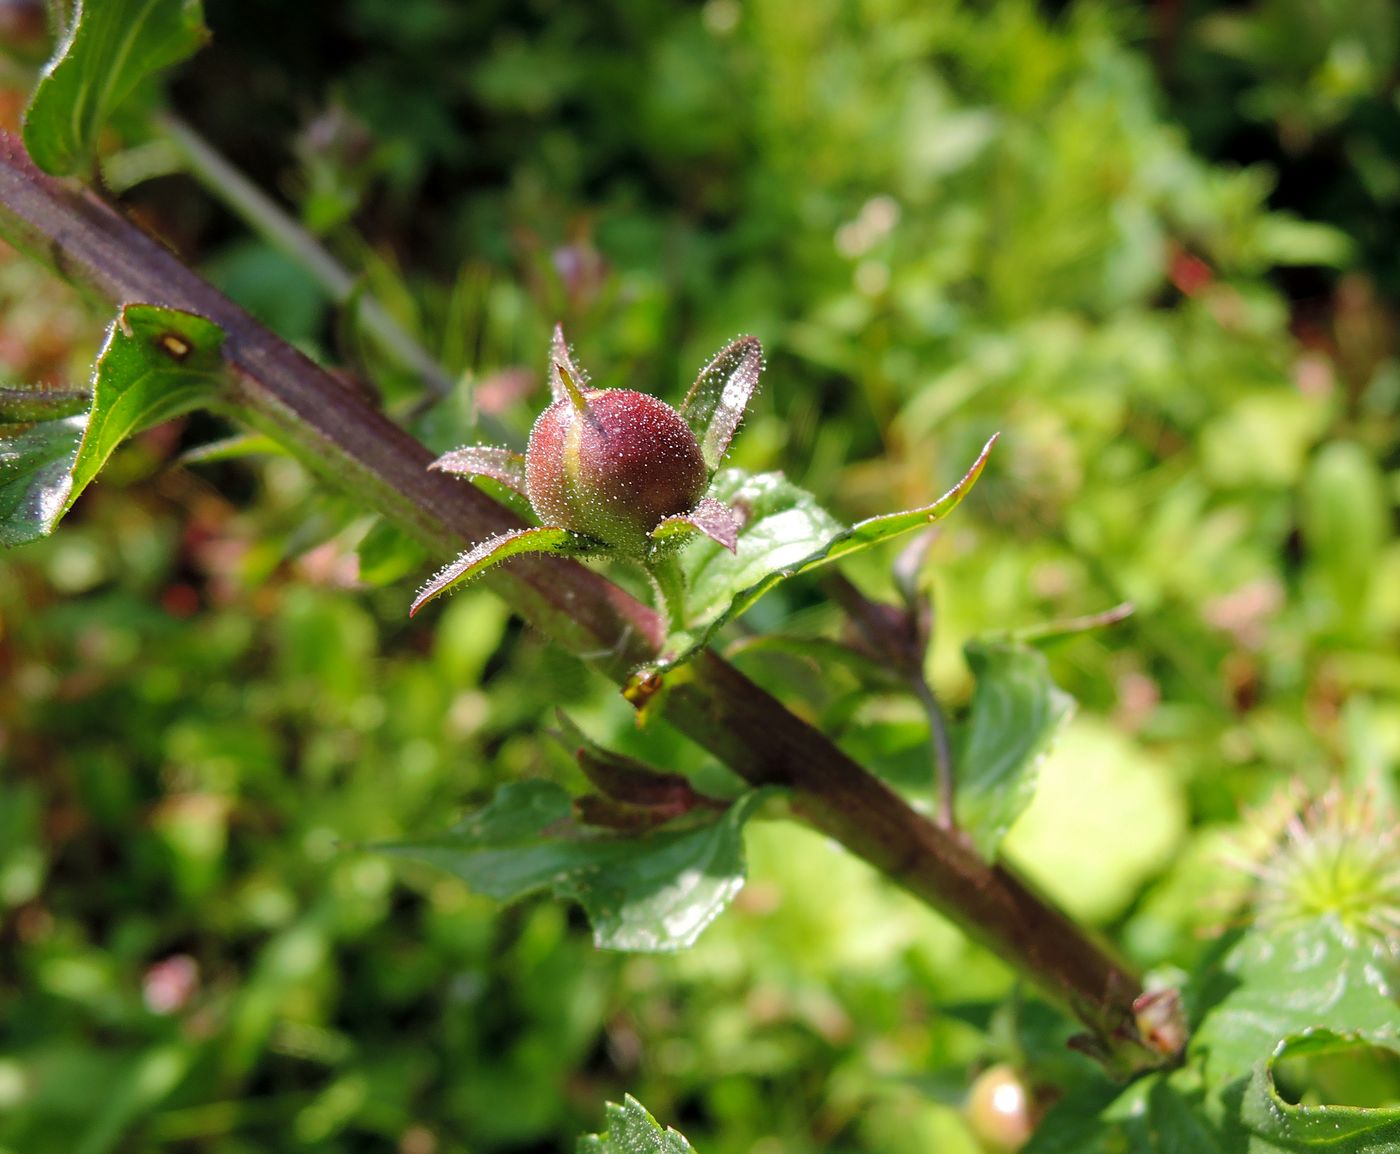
pixel 337 433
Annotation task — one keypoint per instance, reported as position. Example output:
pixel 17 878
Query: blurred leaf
pixel 387 554
pixel 645 894
pixel 110 48
pixel 785 533
pixel 1345 521
pixel 156 363
pixel 1016 712
pixel 631 1130
pixel 36 476
pixel 1278 982
pixel 1275 1124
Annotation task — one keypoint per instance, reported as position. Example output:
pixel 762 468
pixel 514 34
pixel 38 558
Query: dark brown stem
pixel 338 433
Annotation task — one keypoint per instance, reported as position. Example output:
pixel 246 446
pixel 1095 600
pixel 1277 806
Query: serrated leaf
pixel 652 893
pixel 1016 711
pixel 36 476
pixel 716 402
pixel 155 364
pixel 785 532
pixel 1277 982
pixel 111 47
pixel 632 1130
pixel 1275 1124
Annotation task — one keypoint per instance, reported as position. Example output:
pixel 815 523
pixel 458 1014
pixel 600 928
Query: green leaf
pixel 387 554
pixel 494 550
pixel 1016 712
pixel 156 363
pixel 1275 1124
pixel 36 476
pixel 785 533
pixel 632 1130
pixel 716 402
pixel 1277 982
pixel 110 48
pixel 646 894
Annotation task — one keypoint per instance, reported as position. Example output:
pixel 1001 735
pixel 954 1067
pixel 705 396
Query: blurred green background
pixel 1156 246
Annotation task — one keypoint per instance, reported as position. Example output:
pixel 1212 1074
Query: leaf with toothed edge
pixel 503 465
pixel 493 551
pixel 785 533
pixel 716 402
pixel 652 893
pixel 714 519
pixel 632 1130
pixel 561 358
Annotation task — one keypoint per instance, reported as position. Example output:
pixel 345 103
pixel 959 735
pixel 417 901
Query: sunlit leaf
pixel 561 362
pixel 1016 711
pixel 632 1130
pixel 492 552
pixel 36 476
pixel 785 532
pixel 503 465
pixel 111 47
pixel 716 402
pixel 156 363
pixel 646 894
pixel 717 521
pixel 1278 982
pixel 1275 1124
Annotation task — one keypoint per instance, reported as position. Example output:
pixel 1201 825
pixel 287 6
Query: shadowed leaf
pixel 652 893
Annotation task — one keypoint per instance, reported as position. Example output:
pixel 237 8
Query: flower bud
pixel 612 464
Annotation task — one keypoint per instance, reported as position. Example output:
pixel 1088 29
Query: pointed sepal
pixel 492 552
pixel 566 380
pixel 503 465
pixel 718 521
pixel 716 402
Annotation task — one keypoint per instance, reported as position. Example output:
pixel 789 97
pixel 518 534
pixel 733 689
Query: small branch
pixel 942 748
pixel 273 223
pixel 354 446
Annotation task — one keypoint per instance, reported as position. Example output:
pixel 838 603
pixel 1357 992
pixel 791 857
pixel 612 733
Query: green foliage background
pixel 1159 257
